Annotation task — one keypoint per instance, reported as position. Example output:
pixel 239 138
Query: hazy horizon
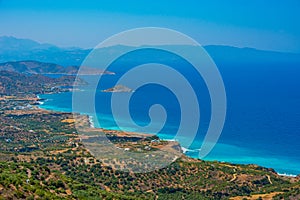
pixel 89 48
pixel 254 24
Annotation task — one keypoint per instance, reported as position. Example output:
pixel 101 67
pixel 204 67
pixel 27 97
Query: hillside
pixel 42 157
pixel 17 84
pixel 36 67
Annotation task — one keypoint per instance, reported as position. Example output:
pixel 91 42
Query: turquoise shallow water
pixel 263 109
pixel 228 152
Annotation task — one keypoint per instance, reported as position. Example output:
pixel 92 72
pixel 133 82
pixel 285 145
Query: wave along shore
pixel 233 157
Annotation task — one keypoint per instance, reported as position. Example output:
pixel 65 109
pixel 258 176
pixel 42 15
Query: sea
pixel 262 123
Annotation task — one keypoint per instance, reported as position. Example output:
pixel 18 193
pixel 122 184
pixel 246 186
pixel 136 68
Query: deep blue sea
pixel 263 112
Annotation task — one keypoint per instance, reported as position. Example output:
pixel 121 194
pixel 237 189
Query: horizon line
pixel 95 47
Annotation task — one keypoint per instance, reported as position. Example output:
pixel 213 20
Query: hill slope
pixel 35 67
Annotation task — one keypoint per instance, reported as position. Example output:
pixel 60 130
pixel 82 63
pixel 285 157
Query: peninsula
pixel 42 156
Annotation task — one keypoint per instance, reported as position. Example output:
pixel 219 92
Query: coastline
pixel 87 149
pixel 184 150
pixel 91 121
pixel 287 175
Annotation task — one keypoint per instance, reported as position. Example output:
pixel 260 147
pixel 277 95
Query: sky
pixel 262 24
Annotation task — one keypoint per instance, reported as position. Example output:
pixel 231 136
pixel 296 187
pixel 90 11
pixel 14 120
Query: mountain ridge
pixel 37 67
pixel 14 49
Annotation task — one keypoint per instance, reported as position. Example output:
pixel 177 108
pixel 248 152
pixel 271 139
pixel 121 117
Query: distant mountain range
pixel 35 67
pixel 13 49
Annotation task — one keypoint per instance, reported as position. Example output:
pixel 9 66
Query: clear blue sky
pixel 262 24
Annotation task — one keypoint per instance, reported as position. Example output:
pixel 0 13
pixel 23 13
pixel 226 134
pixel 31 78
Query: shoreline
pixel 91 121
pixel 287 175
pixel 184 150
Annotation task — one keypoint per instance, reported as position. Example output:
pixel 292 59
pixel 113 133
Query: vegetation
pixel 42 157
pixel 13 83
pixel 60 167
